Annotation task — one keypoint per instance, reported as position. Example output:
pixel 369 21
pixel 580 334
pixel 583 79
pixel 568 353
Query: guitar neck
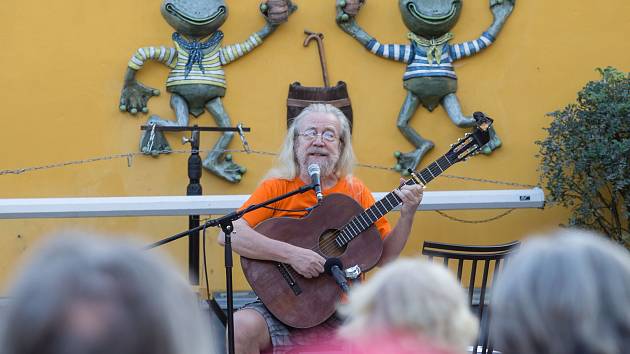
pixel 361 222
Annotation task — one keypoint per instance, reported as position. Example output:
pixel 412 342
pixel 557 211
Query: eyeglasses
pixel 311 134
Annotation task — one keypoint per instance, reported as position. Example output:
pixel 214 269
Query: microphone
pixel 313 171
pixel 333 267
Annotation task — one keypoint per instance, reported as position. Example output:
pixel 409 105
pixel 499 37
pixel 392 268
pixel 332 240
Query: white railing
pixel 222 204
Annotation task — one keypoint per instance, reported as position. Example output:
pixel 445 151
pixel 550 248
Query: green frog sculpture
pixel 197 79
pixel 430 78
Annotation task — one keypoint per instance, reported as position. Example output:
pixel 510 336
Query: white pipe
pixel 222 204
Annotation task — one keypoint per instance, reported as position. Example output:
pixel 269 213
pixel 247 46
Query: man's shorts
pixel 284 338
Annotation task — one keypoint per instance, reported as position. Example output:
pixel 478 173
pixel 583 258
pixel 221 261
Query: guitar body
pixel 297 301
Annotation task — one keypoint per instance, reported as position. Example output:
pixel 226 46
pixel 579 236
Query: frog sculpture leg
pixel 429 78
pixel 197 79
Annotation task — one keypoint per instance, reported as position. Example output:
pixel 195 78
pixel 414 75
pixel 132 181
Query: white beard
pixel 326 164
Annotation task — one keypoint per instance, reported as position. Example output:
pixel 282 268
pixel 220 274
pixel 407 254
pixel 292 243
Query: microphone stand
pixel 194 188
pixel 226 224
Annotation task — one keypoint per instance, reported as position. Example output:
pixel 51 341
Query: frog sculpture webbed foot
pixel 410 160
pixel 224 167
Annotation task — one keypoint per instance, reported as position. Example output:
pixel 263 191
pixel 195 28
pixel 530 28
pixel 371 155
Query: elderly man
pixel 319 135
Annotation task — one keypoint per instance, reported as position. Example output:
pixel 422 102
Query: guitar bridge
pixel 286 274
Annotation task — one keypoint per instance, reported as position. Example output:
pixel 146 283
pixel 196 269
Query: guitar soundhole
pixel 328 246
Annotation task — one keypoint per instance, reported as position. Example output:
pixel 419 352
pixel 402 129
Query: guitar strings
pixel 336 233
pixel 331 243
pixel 326 247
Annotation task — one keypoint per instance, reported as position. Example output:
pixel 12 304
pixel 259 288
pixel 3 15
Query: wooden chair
pixel 471 258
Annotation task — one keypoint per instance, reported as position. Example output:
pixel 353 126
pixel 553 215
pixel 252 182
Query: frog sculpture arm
pixel 430 78
pixel 196 81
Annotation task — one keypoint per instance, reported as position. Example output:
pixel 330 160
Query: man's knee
pixel 250 330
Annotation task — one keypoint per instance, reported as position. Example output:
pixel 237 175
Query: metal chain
pixel 151 137
pixel 376 167
pixel 246 149
pixel 128 156
pixel 131 155
pixel 243 139
pixel 513 184
pixel 497 217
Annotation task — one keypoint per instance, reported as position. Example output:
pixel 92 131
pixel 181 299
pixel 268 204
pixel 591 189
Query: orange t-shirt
pixel 272 188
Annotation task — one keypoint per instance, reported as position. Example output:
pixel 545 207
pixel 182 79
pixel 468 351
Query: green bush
pixel 585 159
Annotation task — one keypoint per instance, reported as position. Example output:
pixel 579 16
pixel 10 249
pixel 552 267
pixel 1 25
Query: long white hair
pixel 286 165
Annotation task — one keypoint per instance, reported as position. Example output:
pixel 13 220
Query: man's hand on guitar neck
pixel 411 196
pixel 307 263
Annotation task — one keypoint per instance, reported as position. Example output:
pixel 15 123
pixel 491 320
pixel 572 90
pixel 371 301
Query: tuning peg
pixel 186 140
pixel 467 134
pixel 452 145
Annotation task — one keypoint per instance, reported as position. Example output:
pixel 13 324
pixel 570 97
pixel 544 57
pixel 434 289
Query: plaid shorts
pixel 284 338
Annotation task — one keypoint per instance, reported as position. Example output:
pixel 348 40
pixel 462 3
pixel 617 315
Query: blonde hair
pixel 416 297
pixel 286 165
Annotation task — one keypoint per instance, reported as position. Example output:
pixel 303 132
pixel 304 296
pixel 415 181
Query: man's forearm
pixel 251 244
pixel 396 240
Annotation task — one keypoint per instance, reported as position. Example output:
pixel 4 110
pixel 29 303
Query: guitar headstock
pixel 472 142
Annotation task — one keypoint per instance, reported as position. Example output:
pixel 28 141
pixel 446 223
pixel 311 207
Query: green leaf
pixel 585 159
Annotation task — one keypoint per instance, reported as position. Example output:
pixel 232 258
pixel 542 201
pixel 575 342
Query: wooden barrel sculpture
pixel 302 96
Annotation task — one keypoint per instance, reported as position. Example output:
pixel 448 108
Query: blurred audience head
pixel 564 293
pixel 414 298
pixel 80 294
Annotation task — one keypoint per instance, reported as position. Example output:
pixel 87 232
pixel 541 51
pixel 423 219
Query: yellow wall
pixel 63 63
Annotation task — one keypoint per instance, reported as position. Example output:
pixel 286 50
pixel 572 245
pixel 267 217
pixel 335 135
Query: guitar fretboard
pixel 365 219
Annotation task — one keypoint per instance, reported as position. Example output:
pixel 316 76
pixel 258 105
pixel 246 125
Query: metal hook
pixel 241 134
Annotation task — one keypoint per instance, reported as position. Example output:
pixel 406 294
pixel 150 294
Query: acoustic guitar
pixel 339 227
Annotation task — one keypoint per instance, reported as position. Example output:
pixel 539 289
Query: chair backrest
pixel 467 257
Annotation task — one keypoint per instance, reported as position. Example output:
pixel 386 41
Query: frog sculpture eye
pixel 430 78
pixel 196 81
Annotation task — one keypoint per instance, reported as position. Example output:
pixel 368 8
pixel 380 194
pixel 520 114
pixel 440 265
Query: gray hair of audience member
pixel 413 296
pixel 286 165
pixel 88 295
pixel 565 293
